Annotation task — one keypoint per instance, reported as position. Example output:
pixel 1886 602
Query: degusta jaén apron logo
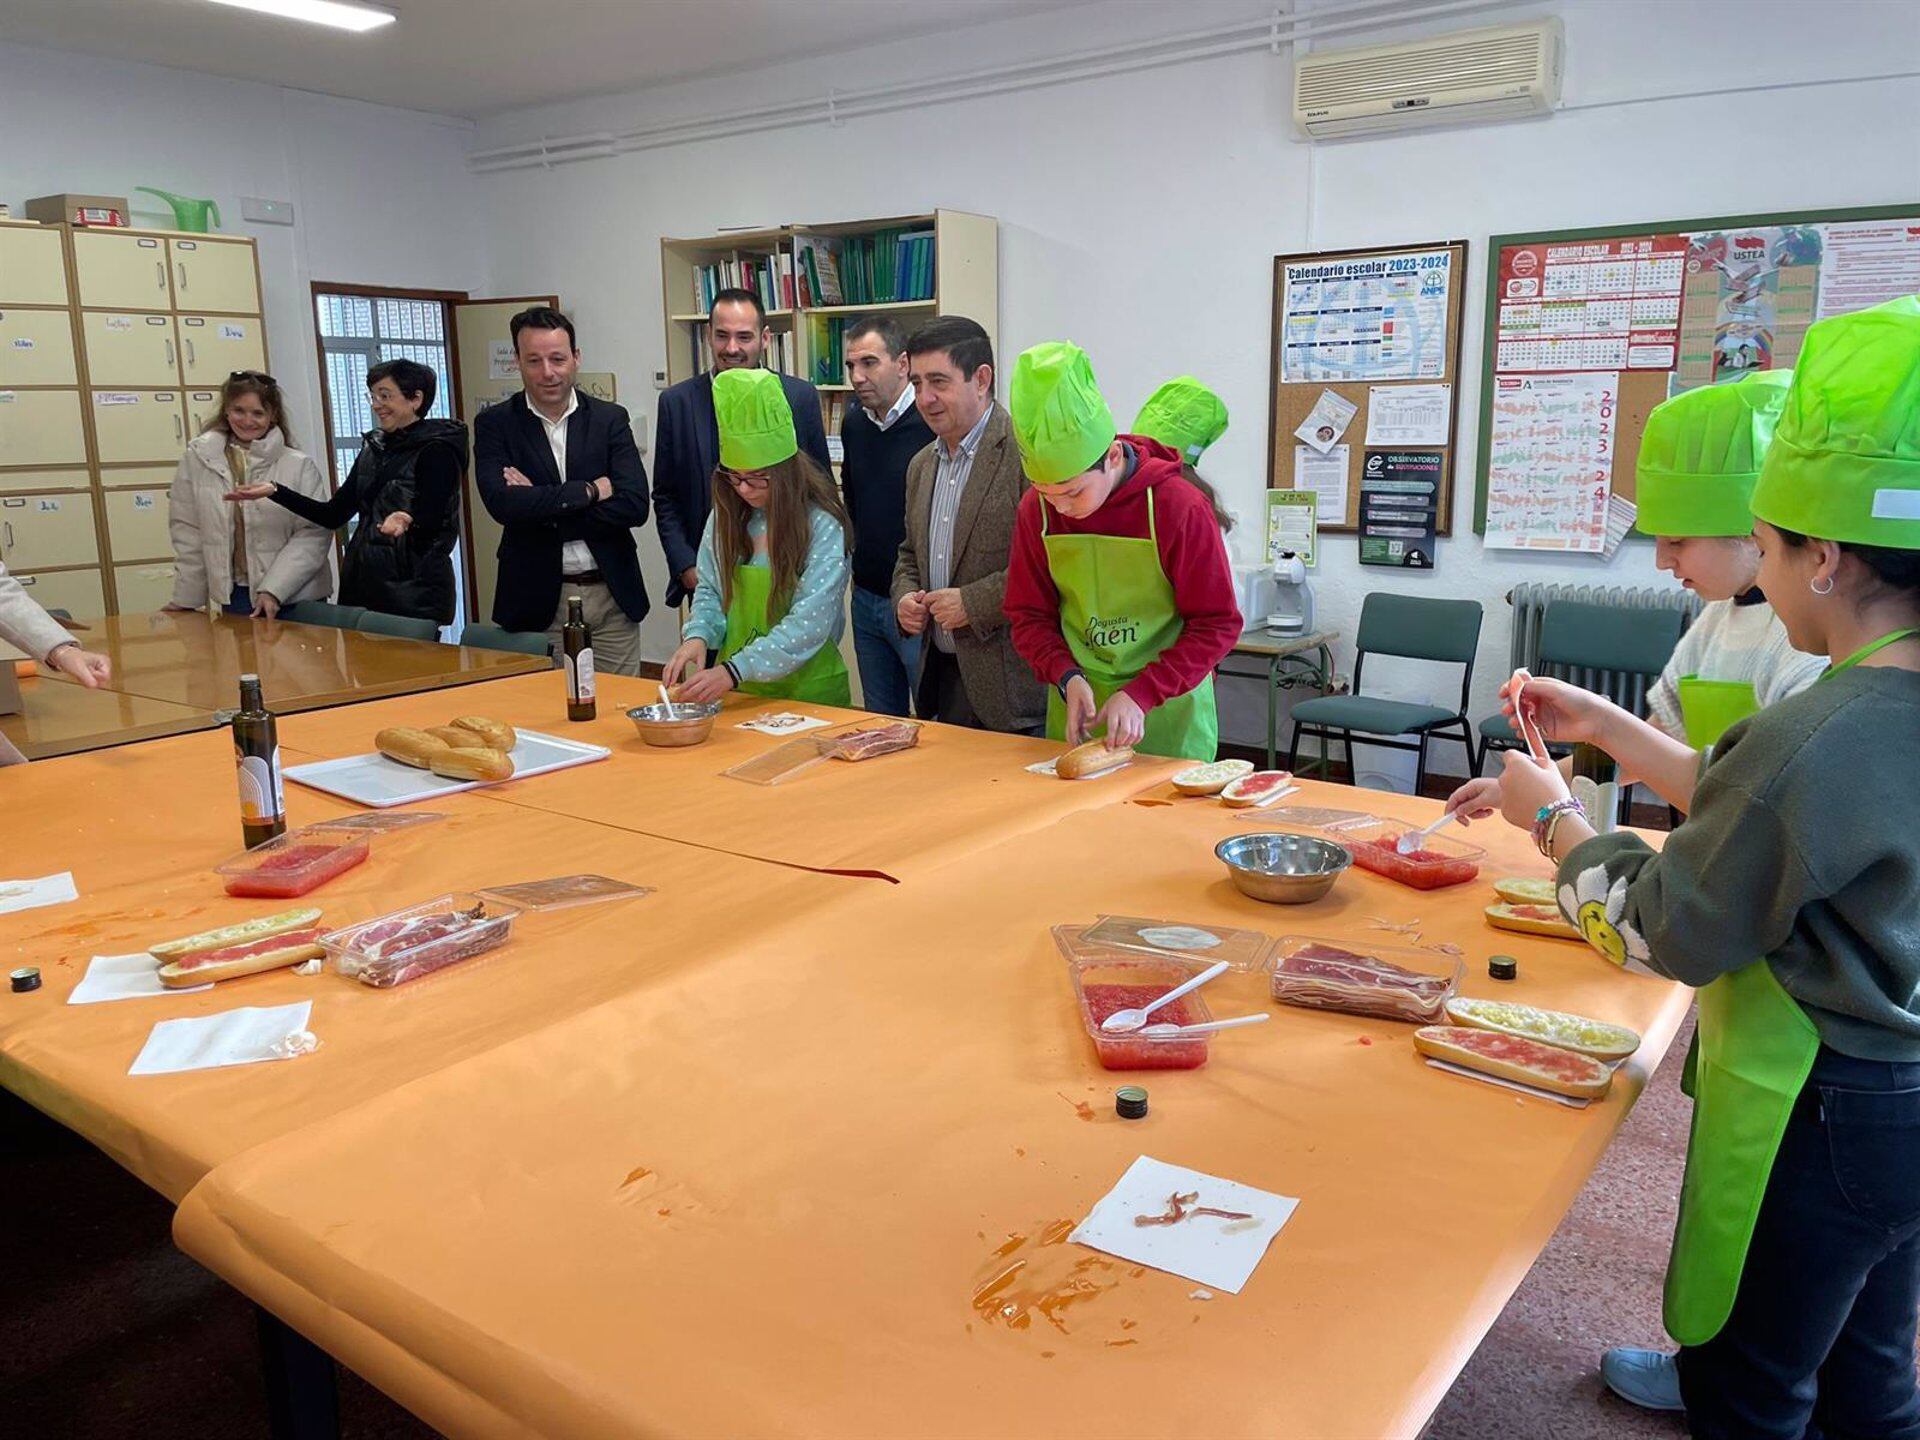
pixel 1106 632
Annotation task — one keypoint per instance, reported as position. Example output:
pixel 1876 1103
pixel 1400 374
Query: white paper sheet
pixel 1409 414
pixel 32 894
pixel 233 1037
pixel 783 722
pixel 1327 421
pixel 1326 476
pixel 1621 513
pixel 1217 1253
pixel 124 977
pixel 1047 768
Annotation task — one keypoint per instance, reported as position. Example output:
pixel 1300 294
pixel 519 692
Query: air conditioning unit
pixel 1503 72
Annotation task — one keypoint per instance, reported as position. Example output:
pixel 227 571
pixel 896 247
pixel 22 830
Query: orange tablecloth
pixel 759 1196
pixel 956 791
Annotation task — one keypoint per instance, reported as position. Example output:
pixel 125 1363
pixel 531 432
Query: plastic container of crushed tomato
pixel 293 863
pixel 1440 861
pixel 1110 982
pixel 418 940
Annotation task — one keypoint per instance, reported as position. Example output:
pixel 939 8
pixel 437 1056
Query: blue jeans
pixel 239 603
pixel 1820 1343
pixel 889 661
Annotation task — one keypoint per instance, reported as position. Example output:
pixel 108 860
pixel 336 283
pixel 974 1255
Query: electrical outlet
pixel 266 212
pixel 659 379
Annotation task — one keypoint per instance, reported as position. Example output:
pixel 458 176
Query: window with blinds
pixel 357 332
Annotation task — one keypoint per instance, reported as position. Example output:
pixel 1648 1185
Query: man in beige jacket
pixel 950 580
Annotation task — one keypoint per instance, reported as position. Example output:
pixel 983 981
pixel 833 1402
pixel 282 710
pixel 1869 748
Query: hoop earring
pixel 1814 585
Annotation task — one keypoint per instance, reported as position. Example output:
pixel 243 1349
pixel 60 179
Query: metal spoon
pixel 1122 1021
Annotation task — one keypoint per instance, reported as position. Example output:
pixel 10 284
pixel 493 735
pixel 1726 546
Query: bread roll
pixel 472 764
pixel 1532 920
pixel 496 733
pixel 409 746
pixel 1513 1057
pixel 1089 759
pixel 460 739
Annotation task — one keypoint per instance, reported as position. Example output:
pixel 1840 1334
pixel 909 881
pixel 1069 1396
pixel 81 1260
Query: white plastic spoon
pixel 665 698
pixel 1205 1025
pixel 1414 839
pixel 1124 1020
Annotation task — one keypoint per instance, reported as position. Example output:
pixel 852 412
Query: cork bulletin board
pixel 1588 330
pixel 1351 330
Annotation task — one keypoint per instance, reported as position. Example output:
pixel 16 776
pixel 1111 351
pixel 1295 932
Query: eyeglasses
pixel 745 479
pixel 259 375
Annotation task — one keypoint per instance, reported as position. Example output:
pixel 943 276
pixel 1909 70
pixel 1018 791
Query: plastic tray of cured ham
pixel 1383 981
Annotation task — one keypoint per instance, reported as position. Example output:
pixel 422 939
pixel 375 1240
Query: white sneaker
pixel 1647 1378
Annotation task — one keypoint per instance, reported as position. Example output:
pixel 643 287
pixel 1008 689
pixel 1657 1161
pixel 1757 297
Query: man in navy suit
pixel 686 445
pixel 561 473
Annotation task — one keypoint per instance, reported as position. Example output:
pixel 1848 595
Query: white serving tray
pixel 377 782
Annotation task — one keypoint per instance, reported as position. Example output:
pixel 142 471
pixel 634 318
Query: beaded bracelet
pixel 1548 821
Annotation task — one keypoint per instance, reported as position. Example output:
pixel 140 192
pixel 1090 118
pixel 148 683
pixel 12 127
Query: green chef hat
pixel 1845 463
pixel 1701 453
pixel 1183 414
pixel 755 420
pixel 1060 422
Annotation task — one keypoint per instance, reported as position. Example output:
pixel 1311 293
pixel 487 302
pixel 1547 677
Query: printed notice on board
pixel 502 364
pixel 1379 318
pixel 1590 305
pixel 1550 462
pixel 1868 263
pixel 1326 476
pixel 1409 414
pixel 1749 300
pixel 1327 421
pixel 1291 524
pixel 1400 508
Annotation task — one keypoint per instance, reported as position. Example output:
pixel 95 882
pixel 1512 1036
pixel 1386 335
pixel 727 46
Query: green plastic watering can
pixel 188 213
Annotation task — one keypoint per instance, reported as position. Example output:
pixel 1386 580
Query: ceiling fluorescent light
pixel 340 14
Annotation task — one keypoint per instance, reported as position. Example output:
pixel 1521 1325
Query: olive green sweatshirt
pixel 1803 847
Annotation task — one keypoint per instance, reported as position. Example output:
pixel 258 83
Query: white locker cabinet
pixel 36 348
pixel 143 587
pixel 137 525
pixel 138 426
pixel 119 271
pixel 33 267
pixel 137 351
pixel 202 406
pixel 41 427
pixel 22 481
pixel 212 347
pixel 41 531
pixel 78 592
pixel 214 274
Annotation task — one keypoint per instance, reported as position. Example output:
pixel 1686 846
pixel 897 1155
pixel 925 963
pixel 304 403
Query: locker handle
pixel 181 267
pixel 169 345
pixel 188 342
pixel 7 525
pixel 160 274
pixel 179 427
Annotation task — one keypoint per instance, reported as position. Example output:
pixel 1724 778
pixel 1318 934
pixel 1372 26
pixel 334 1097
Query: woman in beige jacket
pixel 249 560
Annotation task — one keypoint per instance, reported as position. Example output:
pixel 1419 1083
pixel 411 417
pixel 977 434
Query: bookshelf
pixel 914 267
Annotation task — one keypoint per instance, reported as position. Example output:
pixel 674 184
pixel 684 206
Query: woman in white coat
pixel 250 560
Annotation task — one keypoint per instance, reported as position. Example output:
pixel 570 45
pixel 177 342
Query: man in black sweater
pixel 878 438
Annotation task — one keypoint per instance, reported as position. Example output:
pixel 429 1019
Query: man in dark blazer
pixel 686 441
pixel 950 580
pixel 561 473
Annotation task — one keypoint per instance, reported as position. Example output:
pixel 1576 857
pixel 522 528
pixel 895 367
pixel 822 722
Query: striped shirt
pixel 950 475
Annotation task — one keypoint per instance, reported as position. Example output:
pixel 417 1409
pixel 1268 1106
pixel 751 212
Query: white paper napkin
pixel 1216 1252
pixel 31 894
pixel 784 722
pixel 124 977
pixel 234 1037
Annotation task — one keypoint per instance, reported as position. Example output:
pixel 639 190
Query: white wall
pixel 380 196
pixel 1140 214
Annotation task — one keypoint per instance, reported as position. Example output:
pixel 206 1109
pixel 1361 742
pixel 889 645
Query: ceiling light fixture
pixel 340 14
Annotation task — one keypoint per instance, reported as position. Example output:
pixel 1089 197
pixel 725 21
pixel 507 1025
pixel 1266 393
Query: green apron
pixel 1118 615
pixel 823 679
pixel 1709 708
pixel 1753 1049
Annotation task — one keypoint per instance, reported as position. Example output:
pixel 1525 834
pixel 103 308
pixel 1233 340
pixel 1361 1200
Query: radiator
pixel 1530 603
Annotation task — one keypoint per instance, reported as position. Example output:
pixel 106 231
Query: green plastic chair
pixel 1410 627
pixel 406 627
pixel 492 637
pixel 1603 648
pixel 323 612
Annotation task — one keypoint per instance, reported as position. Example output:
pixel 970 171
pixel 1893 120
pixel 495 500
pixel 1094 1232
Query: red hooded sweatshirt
pixel 1192 554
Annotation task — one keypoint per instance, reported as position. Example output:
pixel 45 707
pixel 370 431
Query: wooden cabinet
pixel 120 270
pixel 212 347
pixel 137 525
pixel 38 531
pixel 36 348
pixel 17 482
pixel 78 592
pixel 214 274
pixel 138 426
pixel 41 427
pixel 133 350
pixel 33 265
pixel 143 587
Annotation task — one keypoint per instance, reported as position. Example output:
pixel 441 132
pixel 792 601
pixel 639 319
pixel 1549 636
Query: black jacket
pixel 686 451
pixel 417 470
pixel 539 518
